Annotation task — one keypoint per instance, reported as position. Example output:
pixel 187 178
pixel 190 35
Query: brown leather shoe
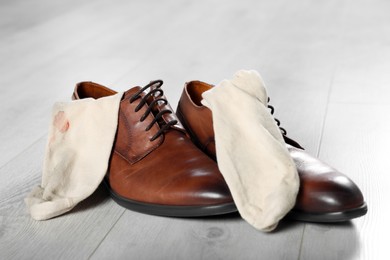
pixel 154 167
pixel 325 194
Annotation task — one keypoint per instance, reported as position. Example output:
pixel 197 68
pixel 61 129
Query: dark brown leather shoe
pixel 154 167
pixel 325 194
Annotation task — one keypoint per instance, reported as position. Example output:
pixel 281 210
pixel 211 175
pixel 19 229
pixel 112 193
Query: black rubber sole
pixel 328 217
pixel 171 211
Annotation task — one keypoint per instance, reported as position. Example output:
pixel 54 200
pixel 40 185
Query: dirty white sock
pixel 81 135
pixel 251 152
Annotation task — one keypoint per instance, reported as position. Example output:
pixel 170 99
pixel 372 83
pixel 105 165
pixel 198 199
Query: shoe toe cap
pixel 329 192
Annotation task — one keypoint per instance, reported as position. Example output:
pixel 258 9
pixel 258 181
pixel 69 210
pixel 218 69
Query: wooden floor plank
pixel 27 14
pixel 363 67
pixel 142 236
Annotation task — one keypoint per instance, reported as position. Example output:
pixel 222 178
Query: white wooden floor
pixel 327 67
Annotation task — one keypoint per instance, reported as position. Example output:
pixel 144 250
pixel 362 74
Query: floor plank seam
pixel 105 236
pixel 301 242
pixel 326 111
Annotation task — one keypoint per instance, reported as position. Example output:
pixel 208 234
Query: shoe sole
pixel 171 211
pixel 328 217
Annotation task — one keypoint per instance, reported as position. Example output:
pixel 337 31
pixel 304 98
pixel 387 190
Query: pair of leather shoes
pixel 155 167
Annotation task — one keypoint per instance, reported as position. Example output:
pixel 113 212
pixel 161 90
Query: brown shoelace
pixel 155 93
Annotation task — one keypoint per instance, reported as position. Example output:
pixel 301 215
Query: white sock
pixel 251 152
pixel 81 135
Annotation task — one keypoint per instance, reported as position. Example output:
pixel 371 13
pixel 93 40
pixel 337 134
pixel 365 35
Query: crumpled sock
pixel 81 135
pixel 251 152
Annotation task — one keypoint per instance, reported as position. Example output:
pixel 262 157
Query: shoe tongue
pixel 131 92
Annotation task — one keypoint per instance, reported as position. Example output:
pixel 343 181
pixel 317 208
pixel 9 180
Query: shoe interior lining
pixel 195 90
pixel 93 90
